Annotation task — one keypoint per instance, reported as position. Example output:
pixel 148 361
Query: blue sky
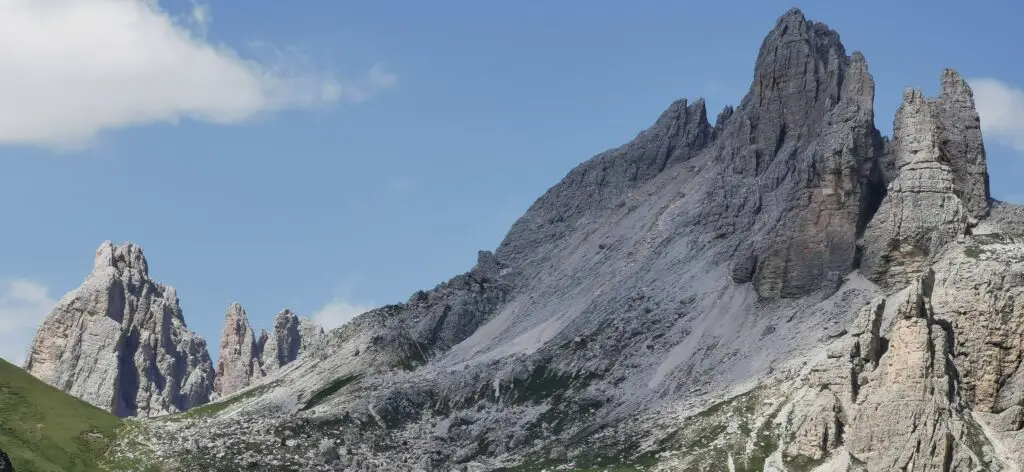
pixel 332 156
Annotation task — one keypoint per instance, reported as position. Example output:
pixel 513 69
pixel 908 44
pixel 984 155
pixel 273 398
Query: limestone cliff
pixel 239 361
pixel 784 290
pixel 291 336
pixel 245 358
pixel 120 342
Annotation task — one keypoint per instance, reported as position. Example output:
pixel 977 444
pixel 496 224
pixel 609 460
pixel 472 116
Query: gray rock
pixel 803 155
pixel 239 362
pixel 1011 419
pixel 291 337
pixel 922 211
pixel 665 276
pixel 959 130
pixel 5 463
pixel 120 342
pixel 912 417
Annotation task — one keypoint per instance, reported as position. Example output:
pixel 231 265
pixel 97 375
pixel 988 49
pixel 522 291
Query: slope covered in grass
pixel 43 429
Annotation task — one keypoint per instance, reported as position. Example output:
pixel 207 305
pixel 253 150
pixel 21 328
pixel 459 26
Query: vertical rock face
pixel 119 342
pixel 923 210
pixel 959 131
pixel 788 179
pixel 909 416
pixel 898 408
pixel 239 362
pixel 803 162
pixel 245 358
pixel 290 337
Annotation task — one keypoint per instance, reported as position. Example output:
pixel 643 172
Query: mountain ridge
pixel 782 290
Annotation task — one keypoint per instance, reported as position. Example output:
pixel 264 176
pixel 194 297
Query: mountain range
pixel 781 289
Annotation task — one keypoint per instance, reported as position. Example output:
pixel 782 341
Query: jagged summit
pixel 939 187
pixel 246 359
pixel 238 364
pixel 120 342
pixel 126 257
pixel 781 289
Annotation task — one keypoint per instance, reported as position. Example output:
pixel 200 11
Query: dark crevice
pixel 952 374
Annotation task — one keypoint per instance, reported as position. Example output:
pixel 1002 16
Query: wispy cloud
pixel 1001 107
pixel 200 17
pixel 338 312
pixel 341 308
pixel 74 68
pixel 23 306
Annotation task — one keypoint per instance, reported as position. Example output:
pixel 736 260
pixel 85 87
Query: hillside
pixel 781 289
pixel 45 430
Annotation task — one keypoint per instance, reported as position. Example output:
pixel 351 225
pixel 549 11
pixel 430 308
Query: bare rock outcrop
pixel 897 408
pixel 120 342
pixel 909 415
pixel 5 463
pixel 245 358
pixel 960 140
pixel 922 211
pixel 239 362
pixel 661 278
pixel 291 336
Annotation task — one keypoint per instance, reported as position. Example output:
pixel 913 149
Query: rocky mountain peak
pixel 239 364
pixel 246 358
pixel 120 342
pixel 800 160
pixel 124 258
pixel 940 188
pixel 693 298
pixel 915 131
pixel 798 74
pixel 961 142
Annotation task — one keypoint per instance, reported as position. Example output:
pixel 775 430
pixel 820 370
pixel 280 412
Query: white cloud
pixel 200 17
pixel 1001 107
pixel 74 68
pixel 23 305
pixel 338 312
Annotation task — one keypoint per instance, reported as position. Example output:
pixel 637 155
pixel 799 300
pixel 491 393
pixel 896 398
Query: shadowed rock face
pixel 291 336
pixel 794 173
pixel 940 184
pixel 119 342
pixel 959 140
pixel 803 171
pixel 5 463
pixel 663 276
pixel 245 359
pixel 239 362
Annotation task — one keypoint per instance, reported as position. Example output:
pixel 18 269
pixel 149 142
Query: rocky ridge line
pixel 245 359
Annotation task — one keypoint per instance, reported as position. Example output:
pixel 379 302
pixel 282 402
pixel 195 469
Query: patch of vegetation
pixel 44 429
pixel 326 392
pixel 131 455
pixel 545 383
pixel 595 464
pixel 974 251
pixel 707 441
pixel 802 463
pixel 976 439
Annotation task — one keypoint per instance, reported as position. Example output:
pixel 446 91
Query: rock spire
pixel 120 342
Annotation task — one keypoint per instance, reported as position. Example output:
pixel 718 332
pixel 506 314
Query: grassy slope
pixel 43 429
